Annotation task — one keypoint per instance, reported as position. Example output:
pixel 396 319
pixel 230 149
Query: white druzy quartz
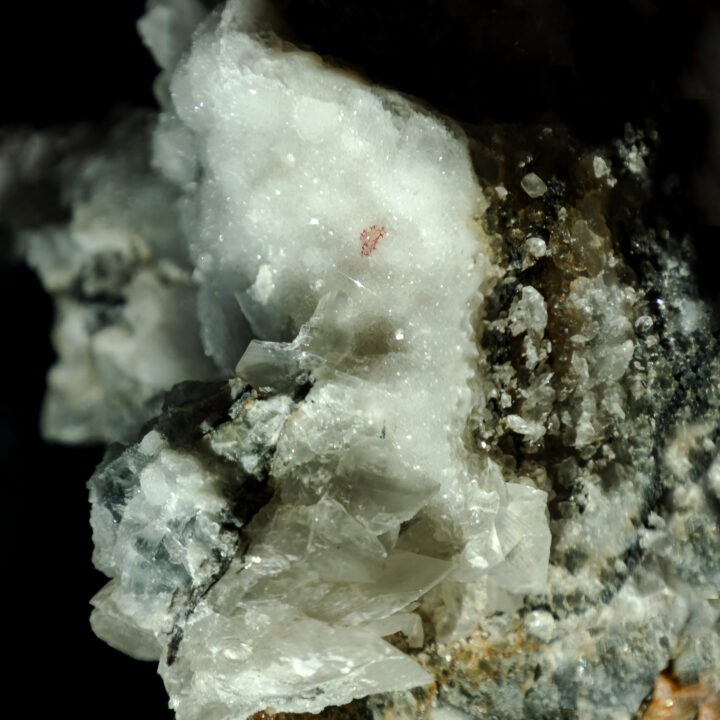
pixel 341 225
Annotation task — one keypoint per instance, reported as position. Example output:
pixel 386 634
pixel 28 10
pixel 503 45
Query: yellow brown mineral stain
pixel 672 701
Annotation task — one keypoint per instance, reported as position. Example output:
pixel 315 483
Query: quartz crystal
pixel 397 416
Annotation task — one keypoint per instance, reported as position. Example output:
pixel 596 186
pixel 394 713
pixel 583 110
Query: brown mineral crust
pixel 468 655
pixel 571 216
pixel 468 664
pixel 671 700
pixel 584 239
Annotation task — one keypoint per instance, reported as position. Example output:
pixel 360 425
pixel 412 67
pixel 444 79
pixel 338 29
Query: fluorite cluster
pixel 399 413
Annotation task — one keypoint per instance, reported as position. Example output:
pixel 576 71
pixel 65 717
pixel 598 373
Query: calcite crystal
pixel 363 246
pixel 415 422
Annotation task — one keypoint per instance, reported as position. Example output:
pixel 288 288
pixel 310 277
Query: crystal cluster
pixel 346 427
pixel 406 416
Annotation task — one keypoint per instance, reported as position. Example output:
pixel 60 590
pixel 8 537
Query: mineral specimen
pixel 354 435
pixel 411 416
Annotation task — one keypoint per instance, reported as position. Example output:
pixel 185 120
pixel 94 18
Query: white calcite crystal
pixel 341 217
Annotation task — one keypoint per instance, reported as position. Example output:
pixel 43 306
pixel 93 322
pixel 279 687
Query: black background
pixel 69 62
